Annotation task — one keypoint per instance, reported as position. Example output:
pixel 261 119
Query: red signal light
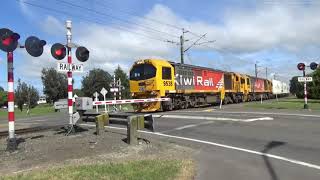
pixel 8 40
pixel 58 51
pixel 301 66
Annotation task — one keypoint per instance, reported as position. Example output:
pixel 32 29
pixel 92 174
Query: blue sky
pixel 276 34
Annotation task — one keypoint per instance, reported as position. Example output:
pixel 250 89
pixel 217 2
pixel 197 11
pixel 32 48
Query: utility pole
pixel 266 72
pixel 182 51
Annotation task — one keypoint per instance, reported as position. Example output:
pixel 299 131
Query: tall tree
pixel 1 89
pixel 21 94
pixel 55 84
pixel 120 74
pixel 26 94
pixel 32 97
pixel 95 81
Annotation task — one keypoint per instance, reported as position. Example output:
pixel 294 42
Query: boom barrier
pixel 129 101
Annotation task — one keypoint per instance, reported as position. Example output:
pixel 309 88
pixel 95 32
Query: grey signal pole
pixel 266 72
pixel 181 47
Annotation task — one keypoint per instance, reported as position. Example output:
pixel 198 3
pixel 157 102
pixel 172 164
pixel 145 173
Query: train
pixel 190 86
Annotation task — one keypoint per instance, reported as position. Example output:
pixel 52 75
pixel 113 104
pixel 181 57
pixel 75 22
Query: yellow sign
pixel 222 94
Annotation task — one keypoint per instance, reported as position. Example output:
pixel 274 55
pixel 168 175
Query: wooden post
pixel 101 121
pixel 132 133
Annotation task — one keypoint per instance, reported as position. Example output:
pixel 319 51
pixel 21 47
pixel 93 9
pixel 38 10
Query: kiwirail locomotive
pixel 192 86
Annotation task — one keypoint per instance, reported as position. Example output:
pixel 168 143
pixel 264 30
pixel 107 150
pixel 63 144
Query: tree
pixel 26 94
pixel 21 94
pixel 1 89
pixel 32 97
pixel 55 84
pixel 3 98
pixel 78 92
pixel 120 74
pixel 95 81
pixel 296 87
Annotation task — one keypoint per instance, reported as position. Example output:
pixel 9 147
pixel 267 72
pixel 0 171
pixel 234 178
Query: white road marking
pixel 259 113
pixel 259 119
pixel 293 161
pixel 188 126
pixel 210 118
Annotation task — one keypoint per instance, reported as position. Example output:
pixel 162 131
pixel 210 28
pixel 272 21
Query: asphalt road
pixel 230 136
pixel 234 143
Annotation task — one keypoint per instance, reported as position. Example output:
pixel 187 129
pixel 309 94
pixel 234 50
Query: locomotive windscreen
pixel 142 72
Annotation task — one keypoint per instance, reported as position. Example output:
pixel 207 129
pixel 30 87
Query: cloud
pixel 239 34
pixel 53 26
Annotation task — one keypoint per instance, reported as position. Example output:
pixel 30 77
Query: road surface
pixel 237 143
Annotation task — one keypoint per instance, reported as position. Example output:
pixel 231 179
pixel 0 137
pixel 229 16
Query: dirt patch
pixel 38 151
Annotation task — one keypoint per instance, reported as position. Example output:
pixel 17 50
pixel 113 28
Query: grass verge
pixel 286 103
pixel 135 170
pixel 40 110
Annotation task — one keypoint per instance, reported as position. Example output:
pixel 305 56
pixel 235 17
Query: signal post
pixel 59 51
pixel 305 79
pixel 9 43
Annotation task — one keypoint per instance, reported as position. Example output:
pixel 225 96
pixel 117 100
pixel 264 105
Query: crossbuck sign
pixel 65 67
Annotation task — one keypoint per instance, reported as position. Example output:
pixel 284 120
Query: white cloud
pixel 53 26
pixel 242 31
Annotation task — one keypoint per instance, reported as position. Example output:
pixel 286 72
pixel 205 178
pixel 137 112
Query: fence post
pixel 132 133
pixel 101 121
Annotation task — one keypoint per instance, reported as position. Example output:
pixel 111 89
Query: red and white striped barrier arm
pixel 130 101
pixel 10 96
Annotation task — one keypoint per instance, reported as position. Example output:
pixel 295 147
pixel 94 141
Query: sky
pixel 274 34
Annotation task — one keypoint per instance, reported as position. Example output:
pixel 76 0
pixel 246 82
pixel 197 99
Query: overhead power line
pixel 134 14
pixel 114 17
pixel 88 20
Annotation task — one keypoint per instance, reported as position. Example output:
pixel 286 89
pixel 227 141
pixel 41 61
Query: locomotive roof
pixel 193 66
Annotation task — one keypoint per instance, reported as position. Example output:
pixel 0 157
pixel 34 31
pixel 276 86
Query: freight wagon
pixel 191 86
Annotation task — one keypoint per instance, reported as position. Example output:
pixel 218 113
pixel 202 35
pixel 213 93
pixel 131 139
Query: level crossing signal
pixel 82 54
pixel 301 66
pixel 59 51
pixel 9 40
pixel 34 46
pixel 313 66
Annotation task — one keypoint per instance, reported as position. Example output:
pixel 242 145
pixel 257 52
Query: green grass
pixel 286 103
pixel 135 170
pixel 37 111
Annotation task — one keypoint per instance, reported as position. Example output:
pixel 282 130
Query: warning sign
pixel 65 67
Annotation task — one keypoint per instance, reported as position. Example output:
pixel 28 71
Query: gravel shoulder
pixel 44 150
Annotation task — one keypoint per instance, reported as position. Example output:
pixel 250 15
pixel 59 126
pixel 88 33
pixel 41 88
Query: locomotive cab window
pixel 166 73
pixel 242 81
pixel 142 72
pixel 248 81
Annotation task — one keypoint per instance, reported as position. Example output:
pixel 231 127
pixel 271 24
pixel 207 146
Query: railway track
pixel 30 130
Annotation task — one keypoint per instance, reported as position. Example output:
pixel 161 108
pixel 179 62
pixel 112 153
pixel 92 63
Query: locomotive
pixel 192 86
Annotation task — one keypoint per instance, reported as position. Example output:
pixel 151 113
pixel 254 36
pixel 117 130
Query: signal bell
pixel 82 54
pixel 301 66
pixel 313 66
pixel 34 46
pixel 58 51
pixel 8 40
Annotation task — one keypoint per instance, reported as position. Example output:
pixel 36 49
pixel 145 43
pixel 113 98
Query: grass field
pixel 286 103
pixel 37 111
pixel 135 170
